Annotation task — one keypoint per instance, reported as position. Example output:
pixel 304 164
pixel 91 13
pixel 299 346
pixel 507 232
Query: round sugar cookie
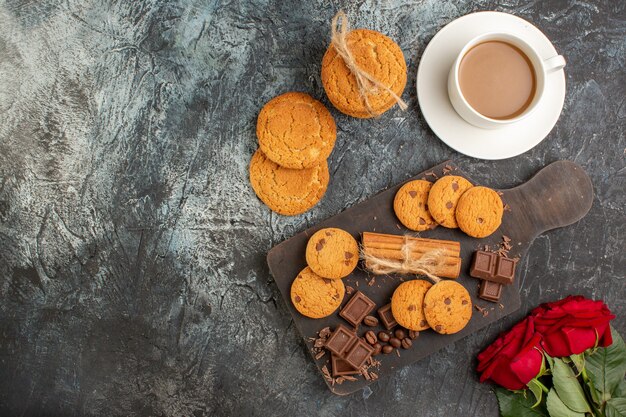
pixel 314 296
pixel 332 253
pixel 411 206
pixel 377 55
pixel 443 198
pixel 447 307
pixel 406 304
pixel 287 191
pixel 296 131
pixel 479 212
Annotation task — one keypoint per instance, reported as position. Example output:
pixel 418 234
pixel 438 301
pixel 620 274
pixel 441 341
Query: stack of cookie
pixel 453 202
pixel 296 134
pixel 331 254
pixel 378 56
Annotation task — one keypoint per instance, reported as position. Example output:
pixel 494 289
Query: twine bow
pixel 367 85
pixel 424 265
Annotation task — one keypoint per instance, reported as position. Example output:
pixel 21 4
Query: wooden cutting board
pixel 558 195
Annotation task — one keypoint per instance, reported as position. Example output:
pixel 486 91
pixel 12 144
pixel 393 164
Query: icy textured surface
pixel 132 249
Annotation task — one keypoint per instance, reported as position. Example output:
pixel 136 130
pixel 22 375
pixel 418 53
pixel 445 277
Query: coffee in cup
pixel 498 79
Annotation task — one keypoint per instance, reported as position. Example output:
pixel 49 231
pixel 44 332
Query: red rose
pixel 514 358
pixel 573 325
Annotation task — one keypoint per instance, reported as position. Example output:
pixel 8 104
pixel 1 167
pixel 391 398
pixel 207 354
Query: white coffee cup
pixel 541 66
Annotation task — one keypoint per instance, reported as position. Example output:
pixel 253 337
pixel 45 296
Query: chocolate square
pixel 483 265
pixel 505 270
pixel 341 367
pixel 386 317
pixel 359 353
pixel 357 308
pixel 490 291
pixel 341 340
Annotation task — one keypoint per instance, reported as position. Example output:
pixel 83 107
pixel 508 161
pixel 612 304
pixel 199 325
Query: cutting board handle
pixel 558 195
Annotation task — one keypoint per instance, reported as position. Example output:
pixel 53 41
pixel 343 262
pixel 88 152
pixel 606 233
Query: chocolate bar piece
pixel 490 291
pixel 341 340
pixel 505 271
pixel 386 317
pixel 349 352
pixel 341 367
pixel 492 267
pixel 483 265
pixel 357 308
pixel 360 352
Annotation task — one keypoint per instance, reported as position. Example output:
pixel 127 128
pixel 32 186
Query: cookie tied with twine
pixel 363 71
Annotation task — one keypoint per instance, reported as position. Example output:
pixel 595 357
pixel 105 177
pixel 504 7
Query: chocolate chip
pixel 413 194
pixel 387 349
pixel 455 186
pixel 413 334
pixel 298 299
pixel 464 302
pixel 480 220
pixel 423 323
pixel 422 221
pixel 438 327
pixel 328 233
pixel 412 307
pixel 370 321
pixel 425 206
pixel 320 245
pixel 348 255
pixel 400 334
pixel 406 343
pixel 328 281
pixel 395 342
pixel 449 205
pixel 383 337
pixel 370 336
pixel 447 301
pixel 377 348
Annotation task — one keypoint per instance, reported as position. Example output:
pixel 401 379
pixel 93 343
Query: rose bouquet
pixel 563 360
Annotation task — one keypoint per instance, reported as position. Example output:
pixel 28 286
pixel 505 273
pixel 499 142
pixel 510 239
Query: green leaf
pixel 535 387
pixel 550 360
pixel 607 366
pixel 620 391
pixel 556 408
pixel 516 404
pixel 568 388
pixel 595 395
pixel 615 407
pixel 579 361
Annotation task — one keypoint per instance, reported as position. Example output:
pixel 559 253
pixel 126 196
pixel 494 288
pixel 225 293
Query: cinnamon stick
pixel 407 249
pixel 384 241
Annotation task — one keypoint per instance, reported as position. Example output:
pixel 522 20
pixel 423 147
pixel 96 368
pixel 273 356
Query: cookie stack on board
pixel 296 134
pixel 318 290
pixel 453 202
pixel 446 306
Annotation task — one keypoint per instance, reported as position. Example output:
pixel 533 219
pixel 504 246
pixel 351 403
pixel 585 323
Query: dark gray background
pixel 132 248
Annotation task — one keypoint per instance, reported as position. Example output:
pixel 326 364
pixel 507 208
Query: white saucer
pixel 432 91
